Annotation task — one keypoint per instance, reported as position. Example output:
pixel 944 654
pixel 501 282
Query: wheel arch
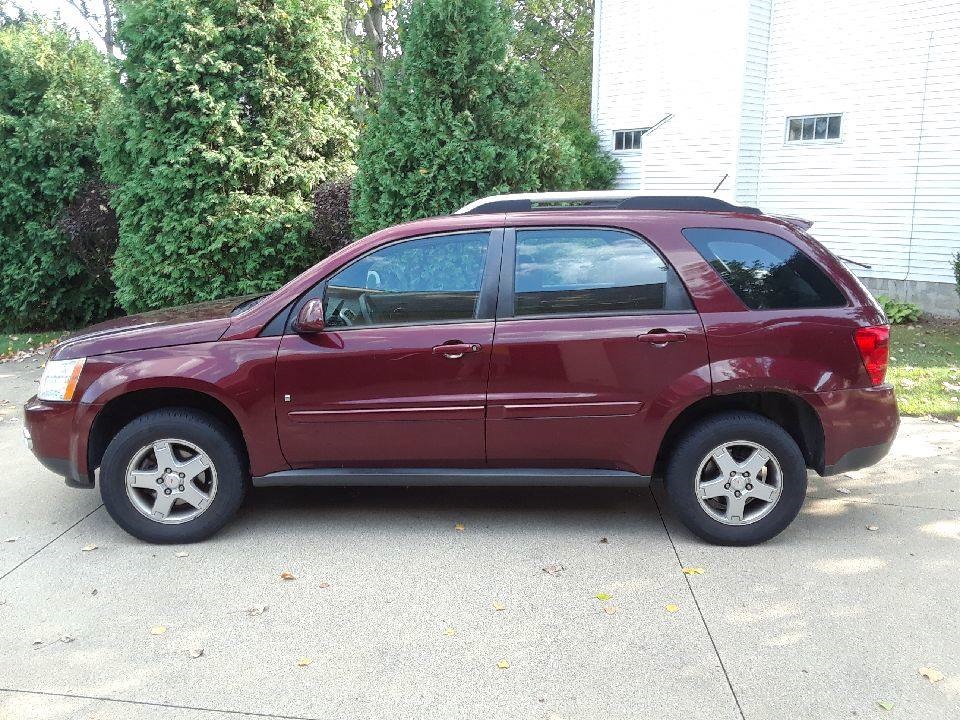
pixel 790 411
pixel 124 408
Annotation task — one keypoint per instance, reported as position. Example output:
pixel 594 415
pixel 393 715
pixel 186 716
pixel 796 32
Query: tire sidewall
pixel 201 430
pixel 681 477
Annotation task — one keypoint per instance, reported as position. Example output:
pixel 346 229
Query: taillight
pixel 874 346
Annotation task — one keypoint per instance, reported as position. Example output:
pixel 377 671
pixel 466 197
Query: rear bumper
pixel 858 458
pixel 859 426
pixel 57 434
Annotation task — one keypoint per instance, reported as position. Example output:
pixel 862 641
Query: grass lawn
pixel 12 345
pixel 925 368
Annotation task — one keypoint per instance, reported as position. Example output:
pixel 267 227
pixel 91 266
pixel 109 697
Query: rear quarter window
pixel 765 271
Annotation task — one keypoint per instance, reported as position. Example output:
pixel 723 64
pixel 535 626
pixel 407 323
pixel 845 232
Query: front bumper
pixel 56 433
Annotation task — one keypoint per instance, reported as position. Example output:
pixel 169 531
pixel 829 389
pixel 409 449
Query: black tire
pixel 204 431
pixel 697 444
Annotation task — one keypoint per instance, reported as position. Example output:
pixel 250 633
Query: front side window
pixel 571 271
pixel 765 271
pixel 427 280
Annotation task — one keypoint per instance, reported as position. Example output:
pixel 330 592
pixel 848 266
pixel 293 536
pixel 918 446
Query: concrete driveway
pixel 395 607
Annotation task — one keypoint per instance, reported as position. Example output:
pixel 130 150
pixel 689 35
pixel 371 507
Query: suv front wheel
pixel 173 476
pixel 736 478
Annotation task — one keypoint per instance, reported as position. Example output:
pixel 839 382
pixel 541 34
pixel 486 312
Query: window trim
pixel 813 141
pixel 629 151
pixel 847 302
pixel 506 297
pixel 486 303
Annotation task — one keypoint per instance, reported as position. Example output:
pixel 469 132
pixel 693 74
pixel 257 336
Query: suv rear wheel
pixel 173 476
pixel 736 478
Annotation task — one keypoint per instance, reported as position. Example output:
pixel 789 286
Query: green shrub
pixel 460 118
pixel 899 312
pixel 51 90
pixel 229 115
pixel 956 270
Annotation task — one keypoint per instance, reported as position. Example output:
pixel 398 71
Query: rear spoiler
pixel 798 223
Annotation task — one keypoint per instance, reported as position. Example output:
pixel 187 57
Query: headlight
pixel 59 379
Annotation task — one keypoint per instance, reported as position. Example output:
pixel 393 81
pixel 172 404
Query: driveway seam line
pixel 48 544
pixel 860 501
pixel 78 696
pixel 696 603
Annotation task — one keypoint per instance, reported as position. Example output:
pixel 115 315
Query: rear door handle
pixel 662 338
pixel 456 350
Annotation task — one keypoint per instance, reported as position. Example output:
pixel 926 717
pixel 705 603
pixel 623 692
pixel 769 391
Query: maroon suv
pixel 588 339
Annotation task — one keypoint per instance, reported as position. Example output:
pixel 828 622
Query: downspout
pixel 916 172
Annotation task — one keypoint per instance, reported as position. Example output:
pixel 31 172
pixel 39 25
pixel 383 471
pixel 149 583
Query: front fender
pixel 239 375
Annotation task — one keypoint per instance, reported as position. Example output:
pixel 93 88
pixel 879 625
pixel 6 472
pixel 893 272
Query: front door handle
pixel 456 350
pixel 662 338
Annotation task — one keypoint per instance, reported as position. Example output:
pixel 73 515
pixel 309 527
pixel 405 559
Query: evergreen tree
pixel 460 117
pixel 229 114
pixel 51 90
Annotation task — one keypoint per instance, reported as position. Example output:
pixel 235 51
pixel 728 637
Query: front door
pixel 399 375
pixel 595 335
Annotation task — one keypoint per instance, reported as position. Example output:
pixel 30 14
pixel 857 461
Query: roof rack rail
pixel 599 200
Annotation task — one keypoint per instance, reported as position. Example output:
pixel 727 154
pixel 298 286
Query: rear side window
pixel 570 271
pixel 766 272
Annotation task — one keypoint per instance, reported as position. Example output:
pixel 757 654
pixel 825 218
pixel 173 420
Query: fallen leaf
pixel 931 674
pixel 182 554
pixel 304 661
pixel 554 569
pixel 885 704
pixel 843 491
pixel 70 639
pixel 503 664
pixel 449 632
pixel 88 548
pixel 671 608
pixel 459 527
pixel 609 609
pixel 196 652
pixel 287 576
pixel 604 541
pixel 157 630
pixel 499 606
pixel 872 528
pixel 603 596
pixel 692 571
pixel 257 610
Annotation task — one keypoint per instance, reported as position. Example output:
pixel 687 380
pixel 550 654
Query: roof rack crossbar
pixel 600 200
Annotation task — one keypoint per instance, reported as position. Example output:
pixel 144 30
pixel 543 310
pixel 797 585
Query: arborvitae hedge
pixel 229 114
pixel 51 91
pixel 460 118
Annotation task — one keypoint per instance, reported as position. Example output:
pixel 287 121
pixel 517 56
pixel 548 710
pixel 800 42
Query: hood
pixel 184 325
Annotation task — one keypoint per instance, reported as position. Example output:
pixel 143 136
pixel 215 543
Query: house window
pixel 811 128
pixel 628 139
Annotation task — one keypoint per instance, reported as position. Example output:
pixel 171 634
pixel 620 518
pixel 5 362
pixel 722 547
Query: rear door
pixel 594 334
pixel 399 375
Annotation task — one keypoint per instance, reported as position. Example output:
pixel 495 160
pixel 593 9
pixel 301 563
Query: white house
pixel 844 113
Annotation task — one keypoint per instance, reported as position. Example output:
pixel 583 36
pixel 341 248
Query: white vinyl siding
pixel 886 193
pixel 868 192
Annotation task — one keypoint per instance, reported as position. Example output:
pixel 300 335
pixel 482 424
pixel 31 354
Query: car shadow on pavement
pixel 621 507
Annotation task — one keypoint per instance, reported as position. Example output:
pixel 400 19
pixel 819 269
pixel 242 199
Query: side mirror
pixel 310 317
